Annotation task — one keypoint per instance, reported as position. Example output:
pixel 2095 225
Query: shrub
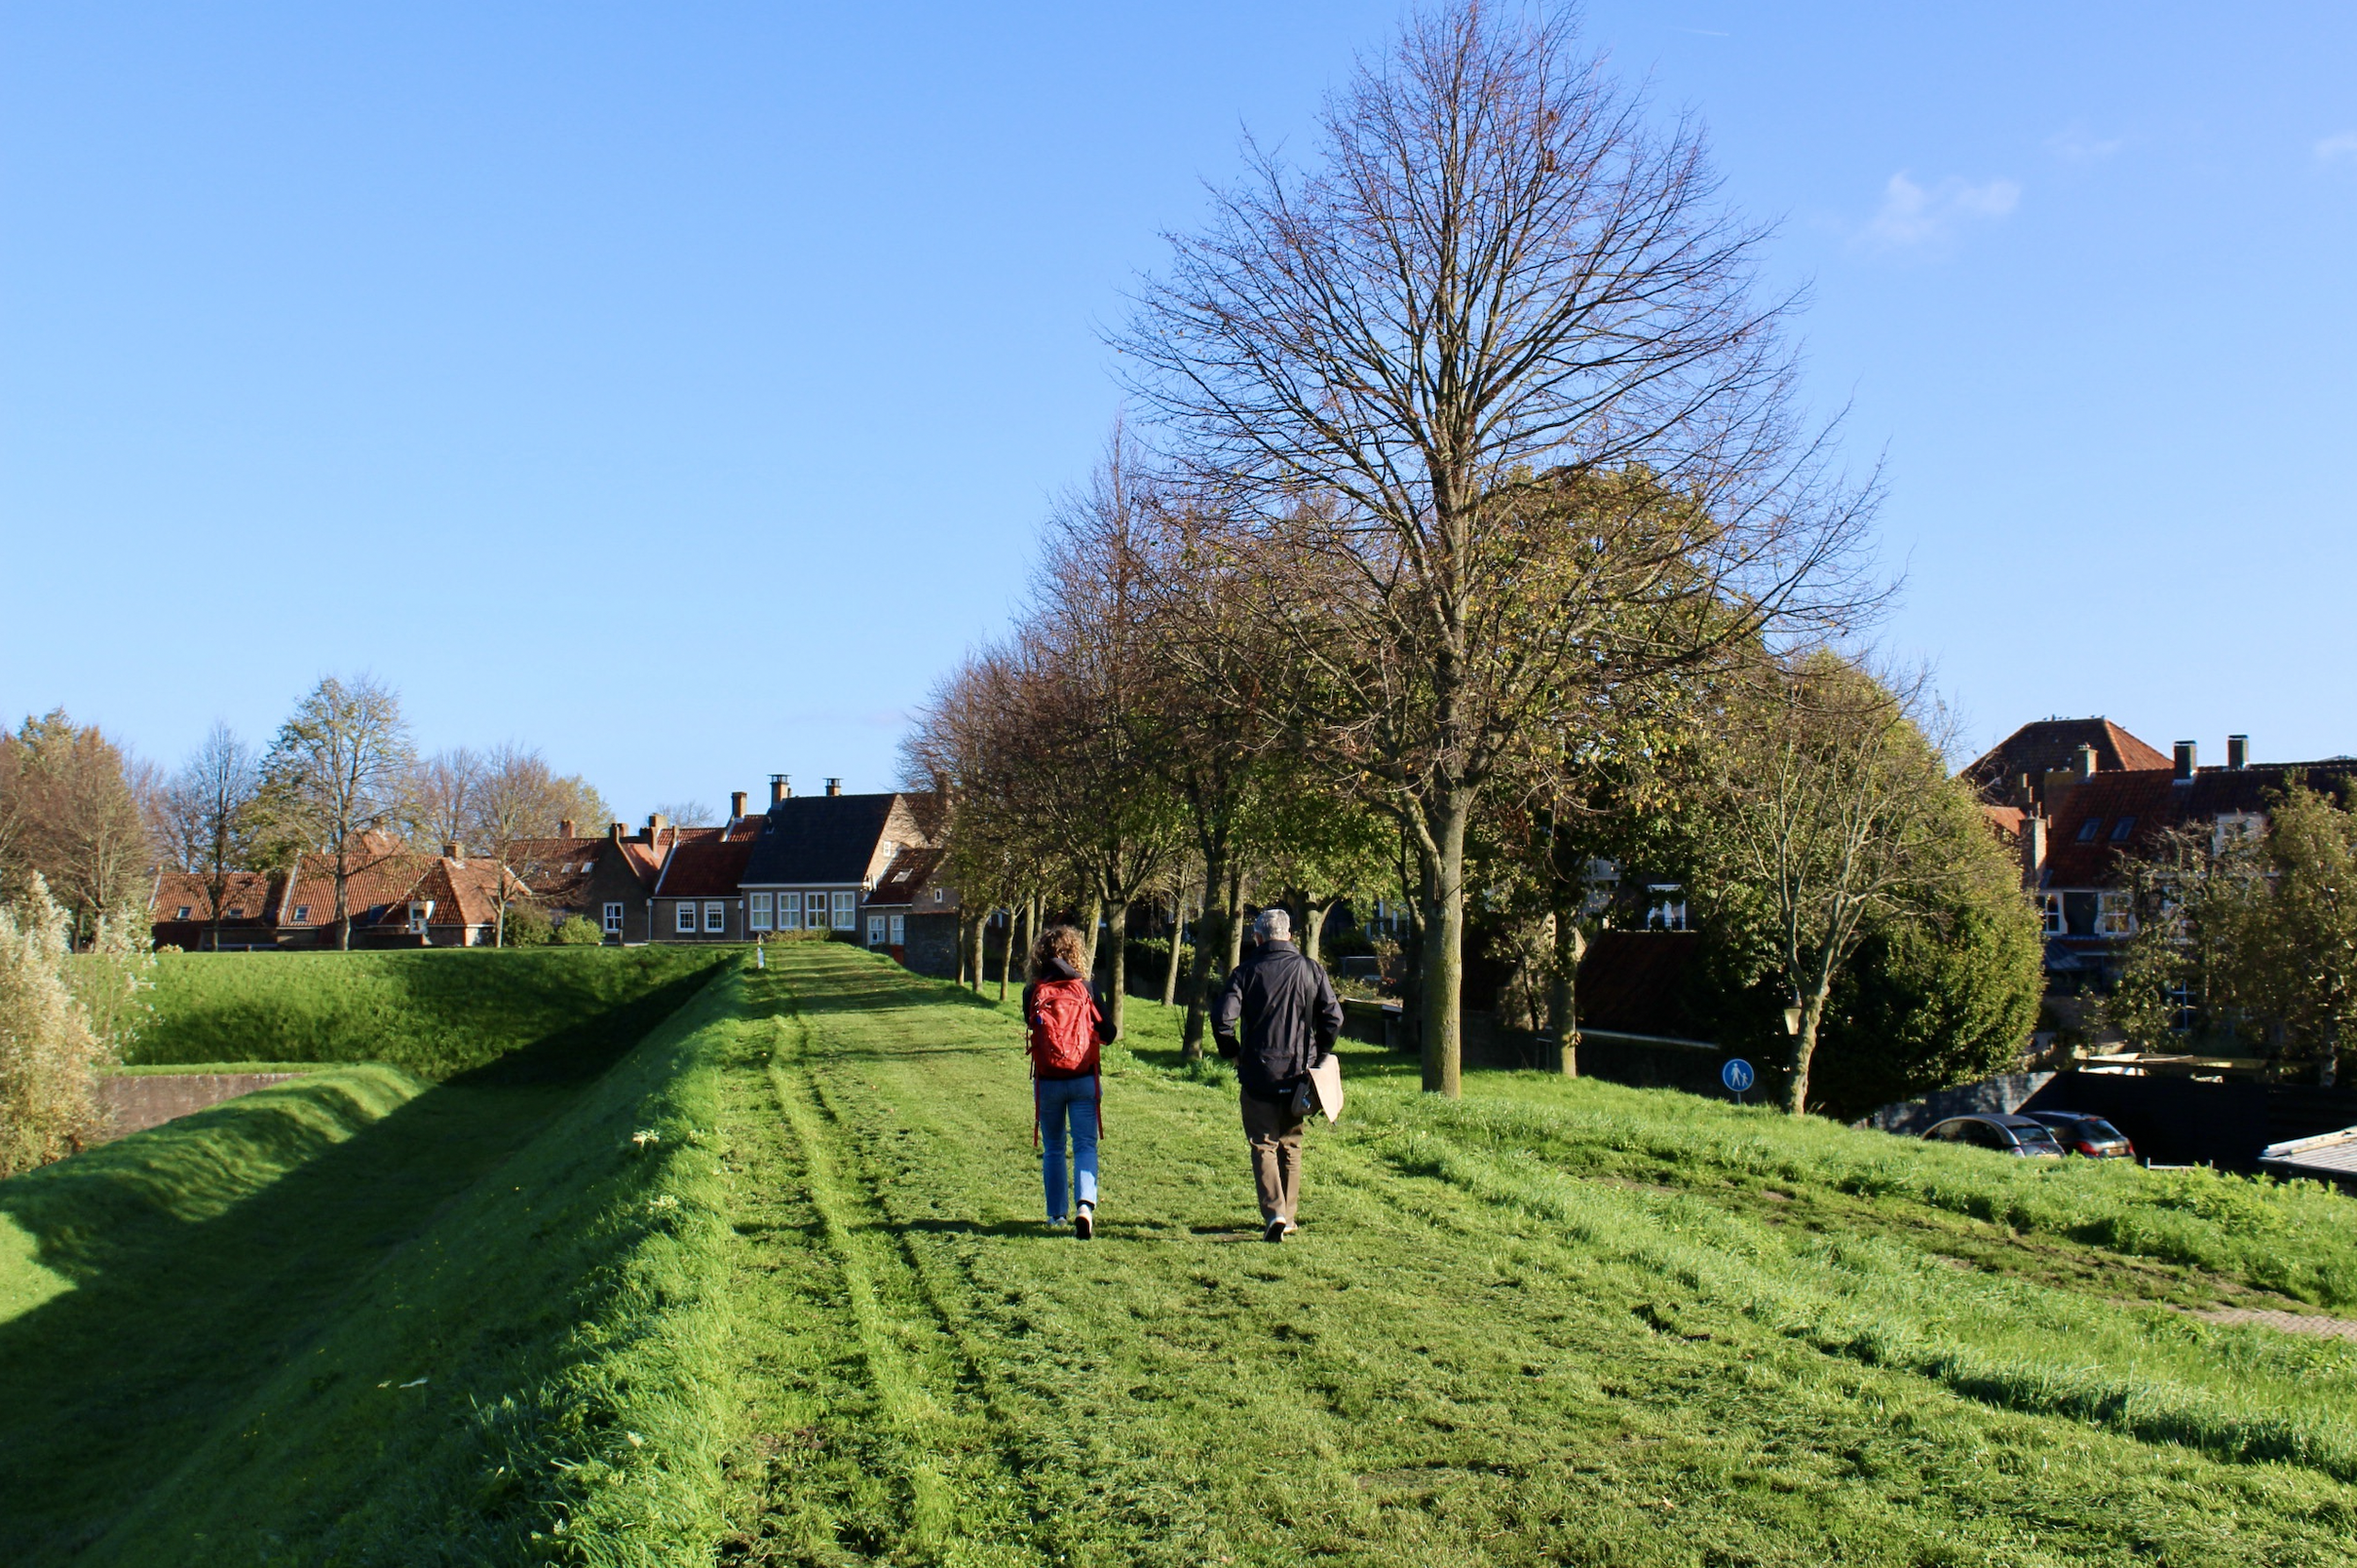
pixel 577 931
pixel 49 1053
pixel 527 927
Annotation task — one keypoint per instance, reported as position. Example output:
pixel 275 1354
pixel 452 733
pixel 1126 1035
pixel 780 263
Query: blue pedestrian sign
pixel 1737 1075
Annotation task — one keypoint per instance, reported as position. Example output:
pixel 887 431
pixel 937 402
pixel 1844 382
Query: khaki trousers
pixel 1275 1134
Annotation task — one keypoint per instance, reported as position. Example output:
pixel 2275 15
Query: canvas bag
pixel 1064 1027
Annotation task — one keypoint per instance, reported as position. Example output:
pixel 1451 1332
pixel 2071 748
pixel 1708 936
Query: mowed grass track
pixel 1557 1323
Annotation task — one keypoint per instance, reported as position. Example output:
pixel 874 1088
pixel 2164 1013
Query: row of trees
pixel 1473 517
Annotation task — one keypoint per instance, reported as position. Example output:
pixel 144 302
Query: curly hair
pixel 1057 942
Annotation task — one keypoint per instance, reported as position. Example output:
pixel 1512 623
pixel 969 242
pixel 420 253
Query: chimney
pixel 454 851
pixel 2084 763
pixel 2032 852
pixel 2024 792
pixel 564 828
pixel 620 831
pixel 834 786
pixel 2185 762
pixel 736 804
pixel 780 788
pixel 656 822
pixel 2237 750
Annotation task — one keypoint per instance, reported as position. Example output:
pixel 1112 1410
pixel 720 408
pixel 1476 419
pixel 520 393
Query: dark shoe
pixel 1084 1224
pixel 1276 1232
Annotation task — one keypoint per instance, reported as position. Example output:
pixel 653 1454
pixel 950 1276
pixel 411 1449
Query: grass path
pixel 1474 1353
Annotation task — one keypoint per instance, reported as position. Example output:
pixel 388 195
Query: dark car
pixel 2081 1134
pixel 2007 1134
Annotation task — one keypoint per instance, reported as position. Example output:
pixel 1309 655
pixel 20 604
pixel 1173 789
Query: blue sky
pixel 679 389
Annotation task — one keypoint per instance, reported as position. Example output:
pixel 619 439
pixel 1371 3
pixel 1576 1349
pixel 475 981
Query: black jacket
pixel 1059 969
pixel 1290 1019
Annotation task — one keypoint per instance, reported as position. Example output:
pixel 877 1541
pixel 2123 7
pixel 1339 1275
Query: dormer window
pixel 237 911
pixel 303 914
pixel 183 913
pixel 2089 829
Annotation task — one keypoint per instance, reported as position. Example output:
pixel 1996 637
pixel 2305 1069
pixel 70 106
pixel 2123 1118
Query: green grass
pixel 436 1013
pixel 1557 1322
pixel 815 1318
pixel 361 1318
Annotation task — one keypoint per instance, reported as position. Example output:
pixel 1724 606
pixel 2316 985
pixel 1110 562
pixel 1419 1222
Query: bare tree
pixel 212 808
pixel 687 814
pixel 339 770
pixel 1830 808
pixel 1425 365
pixel 72 812
pixel 444 795
pixel 514 799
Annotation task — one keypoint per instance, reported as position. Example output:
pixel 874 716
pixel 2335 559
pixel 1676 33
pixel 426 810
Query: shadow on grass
pixel 205 1254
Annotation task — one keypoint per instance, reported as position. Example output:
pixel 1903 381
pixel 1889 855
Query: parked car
pixel 2007 1134
pixel 2081 1134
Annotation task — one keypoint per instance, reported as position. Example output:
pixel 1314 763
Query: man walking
pixel 1291 1020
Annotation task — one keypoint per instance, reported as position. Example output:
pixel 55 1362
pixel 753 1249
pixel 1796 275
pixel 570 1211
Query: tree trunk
pixel 1563 990
pixel 982 939
pixel 1177 940
pixel 1116 989
pixel 1235 920
pixel 1006 955
pixel 1312 928
pixel 1445 950
pixel 344 907
pixel 1211 931
pixel 1803 1049
pixel 1090 915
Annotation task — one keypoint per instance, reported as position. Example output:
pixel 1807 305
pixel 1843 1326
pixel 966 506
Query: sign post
pixel 1737 1075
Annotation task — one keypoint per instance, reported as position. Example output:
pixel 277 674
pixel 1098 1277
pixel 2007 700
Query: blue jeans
pixel 1062 1098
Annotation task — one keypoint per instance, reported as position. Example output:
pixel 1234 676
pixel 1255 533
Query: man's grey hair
pixel 1274 925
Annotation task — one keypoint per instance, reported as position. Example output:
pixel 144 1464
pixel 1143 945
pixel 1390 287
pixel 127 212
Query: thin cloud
pixel 1913 217
pixel 2077 144
pixel 2338 149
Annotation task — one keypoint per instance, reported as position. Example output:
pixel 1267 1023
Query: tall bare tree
pixel 443 794
pixel 213 809
pixel 515 799
pixel 339 770
pixel 1416 360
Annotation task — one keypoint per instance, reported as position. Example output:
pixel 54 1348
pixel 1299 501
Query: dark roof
pixel 2156 801
pixel 820 838
pixel 2050 744
pixel 704 867
pixel 249 891
pixel 906 878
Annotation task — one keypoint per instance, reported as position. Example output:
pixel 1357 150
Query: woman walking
pixel 1067 1023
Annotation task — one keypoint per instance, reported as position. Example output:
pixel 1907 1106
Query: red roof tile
pixel 2151 801
pixel 704 867
pixel 2050 744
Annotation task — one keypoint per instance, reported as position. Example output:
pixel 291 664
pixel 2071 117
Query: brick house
pixel 697 898
pixel 912 915
pixel 181 910
pixel 820 856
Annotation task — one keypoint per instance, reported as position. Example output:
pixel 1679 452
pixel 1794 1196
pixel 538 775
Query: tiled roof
pixel 556 869
pixel 464 893
pixel 2048 744
pixel 825 838
pixel 2151 801
pixel 248 891
pixel 706 868
pixel 373 884
pixel 2006 820
pixel 906 878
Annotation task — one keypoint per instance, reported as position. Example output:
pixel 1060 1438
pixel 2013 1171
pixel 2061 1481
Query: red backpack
pixel 1064 1028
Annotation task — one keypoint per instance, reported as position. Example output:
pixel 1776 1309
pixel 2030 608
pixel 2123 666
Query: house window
pixel 303 914
pixel 875 930
pixel 183 913
pixel 789 910
pixel 2235 826
pixel 716 915
pixel 2181 1008
pixel 2114 915
pixel 2049 906
pixel 815 908
pixel 899 931
pixel 759 917
pixel 847 912
pixel 2121 829
pixel 2088 828
pixel 941 895
pixel 686 917
pixel 1664 907
pixel 237 911
pixel 613 920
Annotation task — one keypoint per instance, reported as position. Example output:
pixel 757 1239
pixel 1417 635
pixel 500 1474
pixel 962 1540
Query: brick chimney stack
pixel 656 822
pixel 2185 762
pixel 564 828
pixel 736 804
pixel 834 786
pixel 2032 852
pixel 781 788
pixel 454 851
pixel 2237 750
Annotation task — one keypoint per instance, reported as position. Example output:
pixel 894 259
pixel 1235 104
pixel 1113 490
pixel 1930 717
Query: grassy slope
pixel 205 1329
pixel 436 1013
pixel 1558 1322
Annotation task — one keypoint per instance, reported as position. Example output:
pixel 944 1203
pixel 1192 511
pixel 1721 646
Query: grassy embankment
pixel 815 1319
pixel 365 1317
pixel 1555 1322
